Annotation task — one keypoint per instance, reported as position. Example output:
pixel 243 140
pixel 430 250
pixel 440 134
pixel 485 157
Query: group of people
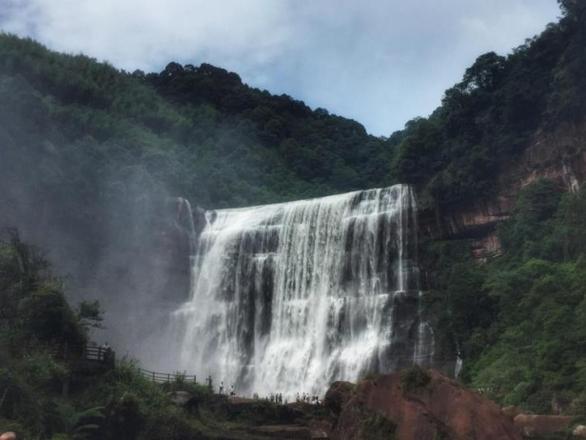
pixel 273 398
pixel 221 389
pixel 307 398
pixel 277 398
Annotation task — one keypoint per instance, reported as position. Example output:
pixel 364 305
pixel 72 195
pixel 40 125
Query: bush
pixel 414 379
pixel 171 424
pixel 377 427
pixel 125 417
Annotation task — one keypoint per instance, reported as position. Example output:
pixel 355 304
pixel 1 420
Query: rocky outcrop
pixel 559 156
pixel 537 426
pixel 438 407
pixel 579 431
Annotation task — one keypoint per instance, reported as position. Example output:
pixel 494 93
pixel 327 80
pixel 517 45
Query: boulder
pixel 180 398
pixel 436 408
pixel 511 411
pixel 538 425
pixel 579 431
pixel 337 395
pixel 8 436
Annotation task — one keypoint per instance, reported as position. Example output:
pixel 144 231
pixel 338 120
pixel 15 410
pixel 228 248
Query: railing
pixel 94 353
pixel 167 377
pixel 98 354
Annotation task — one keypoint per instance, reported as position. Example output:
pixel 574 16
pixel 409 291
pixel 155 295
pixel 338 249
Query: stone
pixel 440 409
pixel 579 431
pixel 511 411
pixel 8 436
pixel 180 398
pixel 338 393
pixel 539 425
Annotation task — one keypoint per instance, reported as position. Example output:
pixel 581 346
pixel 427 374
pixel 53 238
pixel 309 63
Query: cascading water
pixel 289 297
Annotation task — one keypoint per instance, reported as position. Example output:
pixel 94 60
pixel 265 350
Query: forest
pixel 90 153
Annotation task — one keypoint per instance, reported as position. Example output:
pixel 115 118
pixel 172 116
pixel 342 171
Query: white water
pixel 289 297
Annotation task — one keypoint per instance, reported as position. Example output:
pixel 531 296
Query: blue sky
pixel 381 62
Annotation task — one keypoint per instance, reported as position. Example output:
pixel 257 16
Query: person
pixel 103 350
pixel 232 392
pixel 222 387
pixel 109 355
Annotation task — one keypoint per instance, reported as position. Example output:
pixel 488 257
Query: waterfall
pixel 290 297
pixel 184 218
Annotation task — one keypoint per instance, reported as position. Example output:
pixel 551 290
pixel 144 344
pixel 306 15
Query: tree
pixel 485 74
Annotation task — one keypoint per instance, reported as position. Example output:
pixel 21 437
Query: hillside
pixel 92 159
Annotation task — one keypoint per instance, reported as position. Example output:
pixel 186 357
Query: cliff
pixel 558 155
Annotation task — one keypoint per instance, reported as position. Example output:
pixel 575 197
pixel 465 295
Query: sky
pixel 380 62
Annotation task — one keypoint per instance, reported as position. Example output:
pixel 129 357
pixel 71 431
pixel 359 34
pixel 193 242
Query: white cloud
pixel 378 61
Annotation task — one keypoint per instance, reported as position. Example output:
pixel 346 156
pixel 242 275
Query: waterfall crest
pixel 290 297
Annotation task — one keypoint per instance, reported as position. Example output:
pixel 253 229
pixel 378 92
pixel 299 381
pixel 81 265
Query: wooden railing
pixel 99 354
pixel 167 377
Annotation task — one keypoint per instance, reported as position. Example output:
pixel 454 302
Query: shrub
pixel 414 378
pixel 377 427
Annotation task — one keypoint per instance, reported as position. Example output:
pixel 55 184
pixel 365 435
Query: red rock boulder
pixel 417 405
pixel 537 425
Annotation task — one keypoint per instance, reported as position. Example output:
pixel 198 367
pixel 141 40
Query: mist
pixel 123 241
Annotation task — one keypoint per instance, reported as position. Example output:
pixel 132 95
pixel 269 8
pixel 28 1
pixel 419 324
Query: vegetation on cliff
pixel 88 152
pixel 520 319
pixel 486 120
pixel 50 390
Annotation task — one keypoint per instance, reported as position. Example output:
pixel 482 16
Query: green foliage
pixel 18 401
pixel 80 139
pixel 77 425
pixel 42 370
pixel 414 379
pixel 523 235
pixel 90 314
pixel 377 427
pixel 488 119
pixel 171 424
pixel 48 318
pixel 525 342
pixel 194 131
pixel 32 302
pixel 126 418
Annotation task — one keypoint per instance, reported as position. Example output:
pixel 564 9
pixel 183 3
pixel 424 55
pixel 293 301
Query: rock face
pixel 539 425
pixel 439 409
pixel 559 156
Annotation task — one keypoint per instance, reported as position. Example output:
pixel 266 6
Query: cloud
pixel 381 62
